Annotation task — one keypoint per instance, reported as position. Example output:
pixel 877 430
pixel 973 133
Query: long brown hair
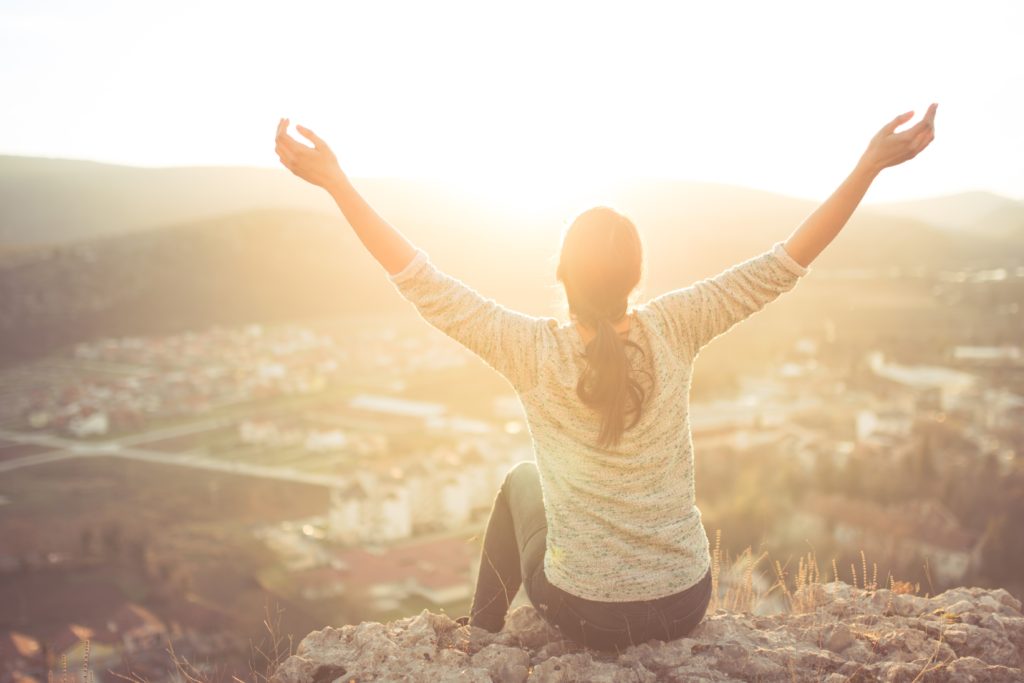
pixel 600 264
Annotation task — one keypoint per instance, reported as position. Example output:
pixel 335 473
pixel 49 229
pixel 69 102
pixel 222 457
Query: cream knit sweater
pixel 622 522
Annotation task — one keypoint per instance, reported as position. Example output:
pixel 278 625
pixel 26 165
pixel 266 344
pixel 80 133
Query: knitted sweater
pixel 623 523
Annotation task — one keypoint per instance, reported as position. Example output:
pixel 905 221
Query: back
pixel 622 521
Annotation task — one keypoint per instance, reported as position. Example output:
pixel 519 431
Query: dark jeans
pixel 513 554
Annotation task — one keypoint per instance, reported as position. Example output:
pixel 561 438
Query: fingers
pixel 919 142
pixel 297 157
pixel 927 122
pixel 922 140
pixel 311 136
pixel 902 118
pixel 285 152
pixel 288 142
pixel 285 155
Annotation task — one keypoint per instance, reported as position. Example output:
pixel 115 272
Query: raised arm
pixel 319 166
pixel 508 341
pixel 887 148
pixel 692 316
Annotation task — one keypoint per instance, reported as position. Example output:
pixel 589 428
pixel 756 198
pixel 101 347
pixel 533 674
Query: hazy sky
pixel 524 98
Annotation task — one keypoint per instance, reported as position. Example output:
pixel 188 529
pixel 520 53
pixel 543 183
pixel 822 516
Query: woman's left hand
pixel 888 148
pixel 316 164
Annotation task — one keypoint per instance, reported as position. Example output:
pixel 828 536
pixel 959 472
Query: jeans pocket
pixel 609 632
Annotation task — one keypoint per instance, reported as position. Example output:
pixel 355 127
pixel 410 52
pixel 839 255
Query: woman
pixel 602 529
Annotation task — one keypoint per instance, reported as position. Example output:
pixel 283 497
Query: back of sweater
pixel 623 523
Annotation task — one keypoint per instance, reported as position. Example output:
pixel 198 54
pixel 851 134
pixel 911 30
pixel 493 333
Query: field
pixel 173 539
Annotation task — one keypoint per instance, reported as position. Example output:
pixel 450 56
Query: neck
pixel 620 325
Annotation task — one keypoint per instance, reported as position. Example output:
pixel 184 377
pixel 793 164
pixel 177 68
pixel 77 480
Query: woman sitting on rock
pixel 602 529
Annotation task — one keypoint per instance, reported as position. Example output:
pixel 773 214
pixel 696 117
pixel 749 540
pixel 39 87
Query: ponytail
pixel 608 385
pixel 600 264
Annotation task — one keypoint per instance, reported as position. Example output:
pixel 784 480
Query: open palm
pixel 888 148
pixel 316 164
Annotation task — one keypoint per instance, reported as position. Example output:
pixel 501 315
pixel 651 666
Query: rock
pixel 503 663
pixel 973 670
pixel 529 628
pixel 964 634
pixel 839 638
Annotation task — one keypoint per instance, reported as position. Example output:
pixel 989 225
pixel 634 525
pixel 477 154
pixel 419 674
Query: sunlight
pixel 770 97
pixel 532 192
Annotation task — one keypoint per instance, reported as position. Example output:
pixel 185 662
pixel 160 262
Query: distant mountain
pixel 990 213
pixel 50 201
pixel 1004 222
pixel 116 261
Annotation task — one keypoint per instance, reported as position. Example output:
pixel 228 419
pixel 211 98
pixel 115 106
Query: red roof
pixel 435 564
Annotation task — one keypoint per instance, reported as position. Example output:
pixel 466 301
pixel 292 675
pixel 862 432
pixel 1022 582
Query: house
pixel 949 386
pixel 891 422
pixel 392 518
pixel 346 516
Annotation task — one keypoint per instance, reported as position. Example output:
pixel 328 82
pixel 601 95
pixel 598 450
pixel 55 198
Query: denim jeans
pixel 513 555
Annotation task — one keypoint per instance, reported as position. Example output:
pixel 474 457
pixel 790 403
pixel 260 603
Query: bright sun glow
pixel 526 101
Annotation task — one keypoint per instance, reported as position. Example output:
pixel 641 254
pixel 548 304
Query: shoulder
pixel 651 315
pixel 552 340
pixel 540 333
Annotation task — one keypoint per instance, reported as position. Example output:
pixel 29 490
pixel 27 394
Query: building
pixel 950 386
pixel 346 518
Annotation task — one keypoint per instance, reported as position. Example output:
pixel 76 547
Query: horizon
pixel 456 186
pixel 784 103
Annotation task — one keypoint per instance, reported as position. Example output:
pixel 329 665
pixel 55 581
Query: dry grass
pixel 745 596
pixel 264 657
pixel 746 591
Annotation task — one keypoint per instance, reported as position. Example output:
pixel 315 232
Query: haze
pixel 526 102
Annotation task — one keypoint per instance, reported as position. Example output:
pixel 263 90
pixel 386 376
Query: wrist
pixel 867 168
pixel 336 183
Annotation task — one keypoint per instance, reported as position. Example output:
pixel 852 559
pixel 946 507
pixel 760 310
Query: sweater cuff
pixel 419 260
pixel 780 253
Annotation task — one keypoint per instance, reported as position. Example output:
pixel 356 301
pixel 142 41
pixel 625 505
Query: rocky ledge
pixel 839 633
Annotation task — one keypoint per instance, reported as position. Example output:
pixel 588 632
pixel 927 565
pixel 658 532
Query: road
pixel 64 449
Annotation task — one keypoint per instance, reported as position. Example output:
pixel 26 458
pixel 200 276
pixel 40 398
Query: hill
pixel 53 201
pixel 976 212
pixel 137 251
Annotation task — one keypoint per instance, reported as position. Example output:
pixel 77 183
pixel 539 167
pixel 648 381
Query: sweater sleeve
pixel 693 316
pixel 506 340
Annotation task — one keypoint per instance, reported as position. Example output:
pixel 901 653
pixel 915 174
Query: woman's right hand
pixel 888 148
pixel 316 164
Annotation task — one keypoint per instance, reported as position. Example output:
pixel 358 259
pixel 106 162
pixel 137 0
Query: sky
pixel 526 99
